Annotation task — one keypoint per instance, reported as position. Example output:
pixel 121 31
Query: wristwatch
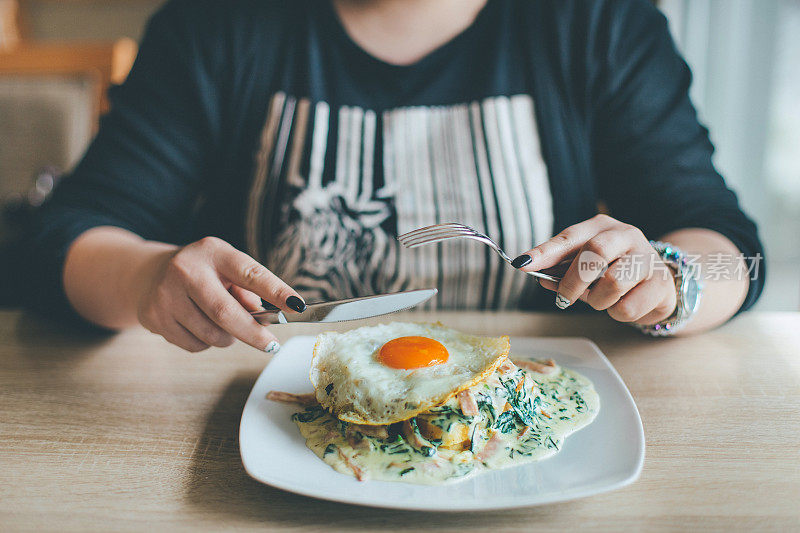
pixel 689 291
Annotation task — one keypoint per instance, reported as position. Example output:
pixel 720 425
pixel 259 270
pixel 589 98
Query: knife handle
pixel 269 316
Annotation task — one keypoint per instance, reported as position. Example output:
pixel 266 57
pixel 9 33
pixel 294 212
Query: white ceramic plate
pixel 605 455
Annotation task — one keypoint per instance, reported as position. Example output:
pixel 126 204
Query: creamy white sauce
pixel 516 424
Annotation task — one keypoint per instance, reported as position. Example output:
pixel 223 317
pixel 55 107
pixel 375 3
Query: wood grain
pixel 125 432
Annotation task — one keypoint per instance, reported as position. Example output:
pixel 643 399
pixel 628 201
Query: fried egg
pixel 378 375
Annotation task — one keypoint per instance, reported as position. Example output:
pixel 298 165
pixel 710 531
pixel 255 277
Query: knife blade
pixel 345 310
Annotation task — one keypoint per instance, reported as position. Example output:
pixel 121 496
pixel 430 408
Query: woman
pixel 304 136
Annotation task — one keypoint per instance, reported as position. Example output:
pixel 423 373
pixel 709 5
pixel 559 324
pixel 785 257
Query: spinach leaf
pixel 309 415
pixel 520 402
pixel 485 404
pixel 505 422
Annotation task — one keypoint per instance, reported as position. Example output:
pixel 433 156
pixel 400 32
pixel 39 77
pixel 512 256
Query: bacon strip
pixel 356 470
pixel 467 402
pixel 491 448
pixel 288 397
pixel 507 367
pixel 546 367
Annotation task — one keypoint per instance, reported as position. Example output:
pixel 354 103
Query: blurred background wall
pixel 81 20
pixel 57 60
pixel 745 56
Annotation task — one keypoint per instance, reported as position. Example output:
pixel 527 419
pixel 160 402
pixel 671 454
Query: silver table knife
pixel 344 310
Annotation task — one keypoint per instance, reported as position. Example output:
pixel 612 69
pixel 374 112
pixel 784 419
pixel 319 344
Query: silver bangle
pixel 688 288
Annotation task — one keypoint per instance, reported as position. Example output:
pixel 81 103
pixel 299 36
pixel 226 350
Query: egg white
pixel 351 383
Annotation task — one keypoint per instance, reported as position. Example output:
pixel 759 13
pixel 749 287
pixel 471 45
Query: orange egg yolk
pixel 412 352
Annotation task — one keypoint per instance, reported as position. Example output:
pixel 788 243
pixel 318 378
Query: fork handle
pixel 541 275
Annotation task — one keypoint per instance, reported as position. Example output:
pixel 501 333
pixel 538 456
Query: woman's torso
pixel 337 152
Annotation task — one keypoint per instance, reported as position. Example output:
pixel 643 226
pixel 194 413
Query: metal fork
pixel 453 230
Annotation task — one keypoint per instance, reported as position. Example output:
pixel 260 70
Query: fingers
pixel 591 262
pixel 249 300
pixel 176 334
pixel 244 271
pixel 644 304
pixel 204 293
pixel 617 281
pixel 564 245
pixel 249 282
pixel 611 270
pixel 648 299
pixel 224 310
pixel 155 320
pixel 198 324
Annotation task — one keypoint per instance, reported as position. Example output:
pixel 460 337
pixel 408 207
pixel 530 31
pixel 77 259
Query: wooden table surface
pixel 126 432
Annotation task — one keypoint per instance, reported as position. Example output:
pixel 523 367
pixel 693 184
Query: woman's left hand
pixel 612 267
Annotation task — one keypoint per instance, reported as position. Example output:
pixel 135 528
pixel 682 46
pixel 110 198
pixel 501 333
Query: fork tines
pixel 435 233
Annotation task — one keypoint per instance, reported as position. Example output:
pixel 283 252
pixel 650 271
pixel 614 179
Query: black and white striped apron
pixel 333 187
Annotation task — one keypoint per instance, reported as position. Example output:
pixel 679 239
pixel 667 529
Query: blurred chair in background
pixel 51 98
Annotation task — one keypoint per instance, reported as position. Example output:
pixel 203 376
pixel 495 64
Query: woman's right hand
pixel 201 295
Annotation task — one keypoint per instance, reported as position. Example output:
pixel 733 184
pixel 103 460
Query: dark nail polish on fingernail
pixel 296 304
pixel 268 306
pixel 521 261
